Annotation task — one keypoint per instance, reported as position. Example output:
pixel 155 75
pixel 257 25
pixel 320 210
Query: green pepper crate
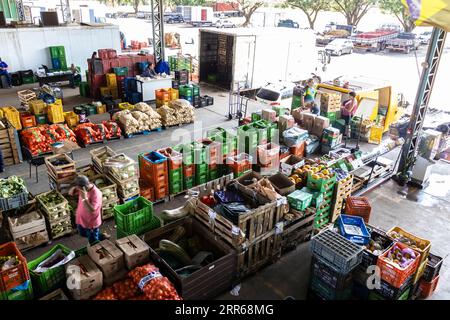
pixel 155 223
pixel 52 279
pixel 132 215
pixel 18 295
pixel 188 183
pixel 320 184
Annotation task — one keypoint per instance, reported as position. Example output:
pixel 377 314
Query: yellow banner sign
pixel 434 13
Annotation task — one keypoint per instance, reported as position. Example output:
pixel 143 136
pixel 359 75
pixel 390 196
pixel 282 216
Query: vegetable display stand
pixel 340 253
pixel 16 275
pixel 392 273
pixel 358 206
pixel 53 278
pixel 342 190
pixel 215 276
pixel 418 244
pixel 133 215
pixel 27 226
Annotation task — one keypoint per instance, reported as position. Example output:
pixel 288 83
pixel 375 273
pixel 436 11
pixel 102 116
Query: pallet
pixel 341 192
pixel 143 133
pixel 175 125
pixel 26 96
pixel 8 146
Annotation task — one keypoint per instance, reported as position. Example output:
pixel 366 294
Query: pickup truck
pixel 405 42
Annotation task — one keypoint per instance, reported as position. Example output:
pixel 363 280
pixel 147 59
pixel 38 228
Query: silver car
pixel 339 47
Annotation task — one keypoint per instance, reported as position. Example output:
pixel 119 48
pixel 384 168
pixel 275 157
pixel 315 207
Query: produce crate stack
pixel 135 217
pixel 111 86
pixel 153 168
pixel 55 113
pixel 191 93
pixel 27 226
pixel 61 172
pixel 330 103
pixel 13 116
pixel 268 158
pixel 360 128
pixel 240 164
pixel 109 195
pixel 13 193
pixel 25 96
pixel 247 139
pixel 8 143
pixel 343 189
pixel 266 130
pixel 27 119
pixel 58 57
pixel 15 281
pixel 334 258
pixel 331 139
pixel 123 171
pixel 430 277
pixel 201 166
pixel 227 139
pixel 213 157
pixel 99 156
pixel 57 213
pixel 175 166
pixel 188 165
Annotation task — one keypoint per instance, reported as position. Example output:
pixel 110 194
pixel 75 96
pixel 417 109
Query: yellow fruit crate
pixel 376 134
pixel 55 113
pixel 71 118
pixel 58 102
pixel 13 117
pixel 37 107
pixel 126 106
pixel 101 109
pixel 105 91
pixel 111 80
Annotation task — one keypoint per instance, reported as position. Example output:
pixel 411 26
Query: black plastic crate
pixel 370 259
pixel 433 267
pixel 330 276
pixel 209 100
pixel 392 293
pixel 360 291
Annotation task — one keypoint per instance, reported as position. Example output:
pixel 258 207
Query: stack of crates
pixel 247 139
pixel 228 141
pixel 135 217
pixel 111 86
pixel 25 96
pixel 55 113
pixel 330 105
pixel 358 206
pixel 201 166
pixel 13 117
pixel 268 158
pixel 58 56
pixel 162 97
pixel 240 164
pixel 325 186
pixel 343 189
pixel 188 165
pixel 213 157
pixel 191 93
pixel 124 176
pixel 297 97
pixel 334 258
pixel 153 168
pixel 175 165
pixel 266 131
pixel 331 139
pixel 57 215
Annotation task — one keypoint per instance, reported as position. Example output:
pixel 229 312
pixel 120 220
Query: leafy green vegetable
pixel 12 186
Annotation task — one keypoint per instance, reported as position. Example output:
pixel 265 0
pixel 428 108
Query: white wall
pixel 27 48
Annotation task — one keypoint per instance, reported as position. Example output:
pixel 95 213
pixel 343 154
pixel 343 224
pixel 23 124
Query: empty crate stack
pixel 175 166
pixel 343 189
pixel 61 172
pixel 188 165
pixel 191 93
pixel 57 213
pixel 122 170
pixel 153 168
pixel 213 157
pixel 201 165
pixel 58 57
pixel 322 181
pixel 334 258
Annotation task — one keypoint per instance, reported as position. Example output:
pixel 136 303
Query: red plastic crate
pixel 16 275
pixel 174 158
pixel 114 63
pixel 391 273
pixel 427 288
pixel 106 66
pixel 161 192
pixel 27 120
pixel 146 190
pixel 358 206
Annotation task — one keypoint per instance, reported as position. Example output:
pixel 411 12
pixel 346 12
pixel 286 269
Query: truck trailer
pixel 254 57
pixel 405 41
pixel 197 16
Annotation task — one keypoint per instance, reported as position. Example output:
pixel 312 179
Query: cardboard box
pixel 285 122
pixel 55 295
pixel 107 256
pixel 135 251
pixel 308 121
pixel 269 115
pixel 282 184
pixel 298 115
pixel 109 281
pixel 320 123
pixel 299 149
pixel 290 163
pixel 84 278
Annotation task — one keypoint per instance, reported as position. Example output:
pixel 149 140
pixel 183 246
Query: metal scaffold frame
pixel 158 29
pixel 20 10
pixel 430 67
pixel 65 10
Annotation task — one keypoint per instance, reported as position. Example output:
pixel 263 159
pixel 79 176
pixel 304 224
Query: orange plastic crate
pixel 174 158
pixel 188 171
pixel 27 120
pixel 16 275
pixel 393 274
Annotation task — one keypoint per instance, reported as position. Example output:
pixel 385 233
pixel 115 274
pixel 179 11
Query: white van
pixel 276 94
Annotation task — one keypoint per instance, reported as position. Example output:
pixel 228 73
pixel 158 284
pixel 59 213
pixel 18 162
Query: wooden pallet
pixel 25 96
pixel 342 190
pixel 143 133
pixel 8 146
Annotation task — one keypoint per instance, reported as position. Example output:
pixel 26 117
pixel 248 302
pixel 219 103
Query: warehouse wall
pixel 27 48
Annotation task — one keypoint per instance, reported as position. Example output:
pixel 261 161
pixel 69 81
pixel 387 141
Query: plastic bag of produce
pixel 55 260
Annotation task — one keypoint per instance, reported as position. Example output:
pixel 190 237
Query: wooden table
pixel 57 78
pixel 65 147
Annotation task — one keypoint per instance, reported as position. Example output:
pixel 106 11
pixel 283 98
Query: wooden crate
pixel 121 189
pixel 8 145
pixel 108 208
pixel 25 96
pixel 61 172
pixel 28 234
pixel 342 190
pixel 358 183
pixel 98 155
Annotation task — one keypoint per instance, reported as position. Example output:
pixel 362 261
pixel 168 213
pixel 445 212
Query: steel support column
pixel 20 10
pixel 158 29
pixel 65 10
pixel 430 67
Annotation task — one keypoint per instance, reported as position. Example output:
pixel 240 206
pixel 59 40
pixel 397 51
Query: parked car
pixel 425 37
pixel 276 94
pixel 288 23
pixel 173 18
pixel 339 46
pixel 224 23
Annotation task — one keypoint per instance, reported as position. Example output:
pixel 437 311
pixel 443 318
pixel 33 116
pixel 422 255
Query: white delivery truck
pixel 256 56
pixel 197 16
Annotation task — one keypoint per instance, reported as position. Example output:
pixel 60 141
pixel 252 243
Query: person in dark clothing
pixel 4 71
pixel 149 72
pixel 94 55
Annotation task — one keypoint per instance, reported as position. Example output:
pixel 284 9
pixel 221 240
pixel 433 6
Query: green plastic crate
pixel 201 179
pixel 299 199
pixel 320 184
pixel 376 296
pixel 134 214
pixel 175 188
pixel 186 151
pixel 213 174
pixel 41 118
pixel 319 222
pixel 57 52
pixel 256 116
pixel 188 183
pixel 52 279
pixel 90 109
pixel 15 295
pixel 121 71
pixel 84 89
pixel 331 115
pixel 296 102
pixel 201 169
pixel 154 223
pixel 175 175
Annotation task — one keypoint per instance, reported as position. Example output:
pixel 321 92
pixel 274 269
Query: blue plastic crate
pixel 349 226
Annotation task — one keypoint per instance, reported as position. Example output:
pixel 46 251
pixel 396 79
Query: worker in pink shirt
pixel 89 211
pixel 349 108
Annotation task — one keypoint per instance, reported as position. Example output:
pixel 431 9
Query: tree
pixel 396 8
pixel 248 8
pixel 311 8
pixel 354 10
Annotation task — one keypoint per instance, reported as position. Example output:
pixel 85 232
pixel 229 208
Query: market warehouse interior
pixel 226 156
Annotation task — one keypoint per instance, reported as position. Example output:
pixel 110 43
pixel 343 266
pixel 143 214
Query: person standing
pixel 4 71
pixel 309 93
pixel 89 211
pixel 349 107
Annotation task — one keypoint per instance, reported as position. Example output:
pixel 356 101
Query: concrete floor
pixel 425 213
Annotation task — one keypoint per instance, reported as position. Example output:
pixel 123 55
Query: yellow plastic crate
pixel 105 91
pixel 376 134
pixel 101 109
pixel 71 119
pixel 37 107
pixel 13 117
pixel 174 94
pixel 55 113
pixel 111 80
pixel 58 102
pixel 126 106
pixel 1 114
